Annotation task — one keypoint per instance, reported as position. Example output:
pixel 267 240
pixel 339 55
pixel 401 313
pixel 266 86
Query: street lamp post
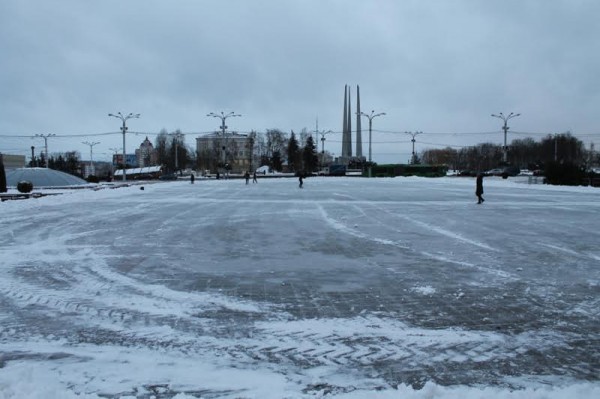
pixel 370 117
pixel 223 116
pixel 124 129
pixel 91 155
pixel 323 133
pixel 505 118
pixel 115 151
pixel 415 134
pixel 45 137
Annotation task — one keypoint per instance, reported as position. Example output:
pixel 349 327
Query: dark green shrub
pixel 392 170
pixel 564 174
pixel 24 186
pixel 93 179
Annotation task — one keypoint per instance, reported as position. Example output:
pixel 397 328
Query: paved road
pixel 405 280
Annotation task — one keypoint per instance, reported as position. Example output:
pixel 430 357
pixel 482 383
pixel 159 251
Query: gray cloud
pixel 434 66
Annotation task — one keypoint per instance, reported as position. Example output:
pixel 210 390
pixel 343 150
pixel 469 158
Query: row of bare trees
pixel 523 153
pixel 276 148
pixel 172 152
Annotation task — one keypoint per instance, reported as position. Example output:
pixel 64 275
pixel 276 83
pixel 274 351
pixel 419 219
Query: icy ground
pixel 348 288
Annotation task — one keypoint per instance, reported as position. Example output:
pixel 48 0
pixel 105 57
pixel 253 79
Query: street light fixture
pixel 223 116
pixel 371 116
pixel 415 134
pixel 124 129
pixel 45 137
pixel 115 151
pixel 92 172
pixel 323 133
pixel 505 128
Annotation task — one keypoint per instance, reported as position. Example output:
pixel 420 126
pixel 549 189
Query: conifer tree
pixel 293 153
pixel 309 155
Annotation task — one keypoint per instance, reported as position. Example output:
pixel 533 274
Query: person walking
pixel 479 188
pixel 254 178
pixel 192 177
pixel 3 187
pixel 300 180
pixel 247 176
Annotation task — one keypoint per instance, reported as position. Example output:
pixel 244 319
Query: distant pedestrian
pixel 479 188
pixel 254 178
pixel 300 180
pixel 3 187
pixel 192 177
pixel 247 176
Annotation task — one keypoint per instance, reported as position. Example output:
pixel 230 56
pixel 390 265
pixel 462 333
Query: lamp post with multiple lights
pixel 45 137
pixel 415 134
pixel 91 172
pixel 115 151
pixel 323 133
pixel 505 118
pixel 371 116
pixel 124 119
pixel 223 116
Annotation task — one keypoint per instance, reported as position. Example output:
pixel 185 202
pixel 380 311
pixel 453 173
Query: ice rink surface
pixel 347 288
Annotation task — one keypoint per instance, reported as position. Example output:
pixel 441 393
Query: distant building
pixel 13 161
pixel 146 155
pixel 96 168
pixel 145 173
pixel 88 168
pixel 131 159
pixel 232 151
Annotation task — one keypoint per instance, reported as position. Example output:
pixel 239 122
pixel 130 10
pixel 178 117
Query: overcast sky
pixel 440 67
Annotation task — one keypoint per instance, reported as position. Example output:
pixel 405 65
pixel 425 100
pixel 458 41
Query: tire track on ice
pixel 378 342
pixel 345 229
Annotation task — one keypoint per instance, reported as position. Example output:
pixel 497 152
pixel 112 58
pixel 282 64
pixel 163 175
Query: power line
pixel 149 133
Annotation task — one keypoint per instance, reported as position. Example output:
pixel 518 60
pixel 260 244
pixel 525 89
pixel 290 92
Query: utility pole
pixel 371 116
pixel 124 129
pixel 45 137
pixel 414 156
pixel 505 128
pixel 91 172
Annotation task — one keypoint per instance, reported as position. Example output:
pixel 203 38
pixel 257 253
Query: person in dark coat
pixel 3 187
pixel 479 188
pixel 254 178
pixel 192 178
pixel 247 176
pixel 300 180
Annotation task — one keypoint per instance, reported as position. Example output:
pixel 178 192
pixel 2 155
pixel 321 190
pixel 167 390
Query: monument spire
pixel 349 146
pixel 345 124
pixel 358 127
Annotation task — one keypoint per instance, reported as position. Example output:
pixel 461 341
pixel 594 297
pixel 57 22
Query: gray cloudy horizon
pixel 440 67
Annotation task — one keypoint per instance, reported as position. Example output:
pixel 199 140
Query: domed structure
pixel 42 177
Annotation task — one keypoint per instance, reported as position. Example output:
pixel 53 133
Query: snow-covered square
pixel 347 288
